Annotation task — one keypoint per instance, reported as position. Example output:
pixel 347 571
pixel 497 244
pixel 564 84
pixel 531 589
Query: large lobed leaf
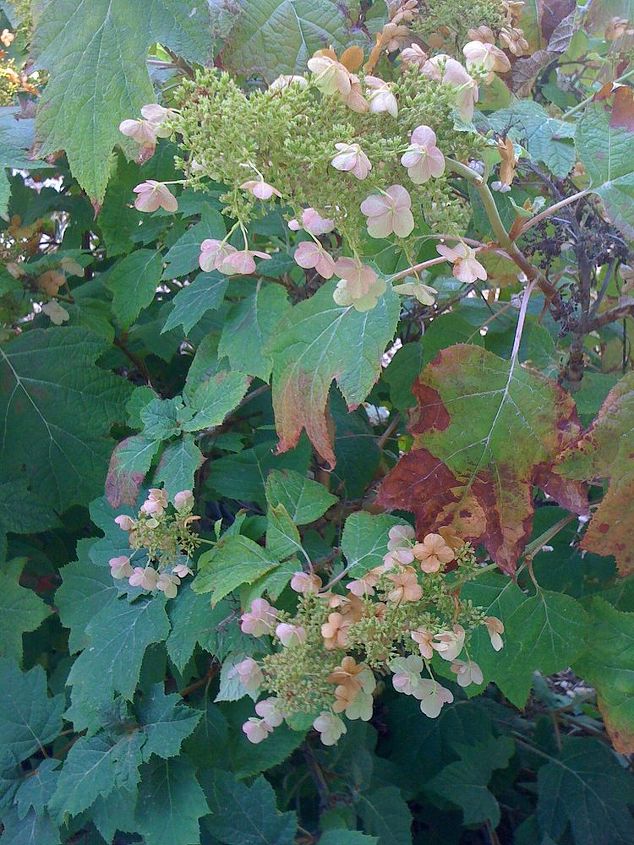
pixel 319 342
pixel 485 432
pixel 606 153
pixel 57 408
pixel 97 50
pixel 606 450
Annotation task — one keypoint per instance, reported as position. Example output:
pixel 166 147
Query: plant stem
pixel 589 99
pixel 551 210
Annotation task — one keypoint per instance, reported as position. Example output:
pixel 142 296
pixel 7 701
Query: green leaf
pixel 29 719
pixel 95 766
pixel 21 610
pixel 182 257
pixel 607 665
pixel 385 815
pixel 250 327
pixel 545 633
pixel 86 589
pixel 57 411
pixel 118 636
pixel 161 418
pixel 170 803
pixel 133 281
pixel 320 341
pixel 282 536
pixel 194 622
pixel 166 722
pixel 242 476
pixel 364 540
pixel 214 398
pixel 305 500
pixel 465 782
pixel 36 790
pixel 95 53
pixel 246 815
pixel 205 293
pixel 606 153
pixel 178 464
pixel 272 37
pixel 547 139
pixel 31 830
pixel 130 462
pixel 586 787
pixel 236 560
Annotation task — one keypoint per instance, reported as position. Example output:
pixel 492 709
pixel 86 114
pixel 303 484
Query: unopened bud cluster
pixel 392 620
pixel 163 531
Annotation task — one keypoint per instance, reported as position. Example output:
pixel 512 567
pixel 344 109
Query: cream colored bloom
pixel 466 266
pixel 352 159
pixel 467 672
pixel 495 628
pixel 331 728
pixel 359 287
pixel 389 212
pixel 423 159
pixel 449 644
pixel 432 697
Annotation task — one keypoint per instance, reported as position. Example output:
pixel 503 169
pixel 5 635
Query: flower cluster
pixel 403 617
pixel 345 150
pixel 162 534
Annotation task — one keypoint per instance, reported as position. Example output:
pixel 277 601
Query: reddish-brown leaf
pixel 486 431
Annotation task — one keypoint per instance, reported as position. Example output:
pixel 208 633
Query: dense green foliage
pixel 271 411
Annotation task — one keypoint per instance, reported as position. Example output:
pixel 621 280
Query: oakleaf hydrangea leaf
pixel 606 450
pixel 57 408
pixel 607 665
pixel 21 610
pixel 485 432
pixel 318 342
pixel 170 803
pixel 97 50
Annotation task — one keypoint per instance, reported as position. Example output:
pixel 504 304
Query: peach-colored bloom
pixel 485 56
pixel 182 570
pixel 406 586
pixel 304 582
pixel 444 69
pixel 432 697
pixel 184 500
pixel 466 266
pixel 423 159
pixel 120 567
pixel 256 730
pixel 335 631
pixel 331 728
pixel 400 537
pixel 141 131
pixel 467 672
pixel 414 55
pixel 212 253
pixel 168 583
pixel 312 222
pixel 241 262
pixel 310 254
pixel 152 195
pixel 398 557
pixel 389 212
pixel 155 503
pixel 425 642
pixel 365 585
pixel 260 189
pixel 146 578
pixel 125 523
pixel 352 159
pixel 330 76
pixel 380 96
pixel 259 620
pixel 495 628
pixel 433 553
pixel 359 287
pixel 249 673
pixel 406 677
pixel 449 644
pixel 290 634
pixel 354 99
pixel 269 710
